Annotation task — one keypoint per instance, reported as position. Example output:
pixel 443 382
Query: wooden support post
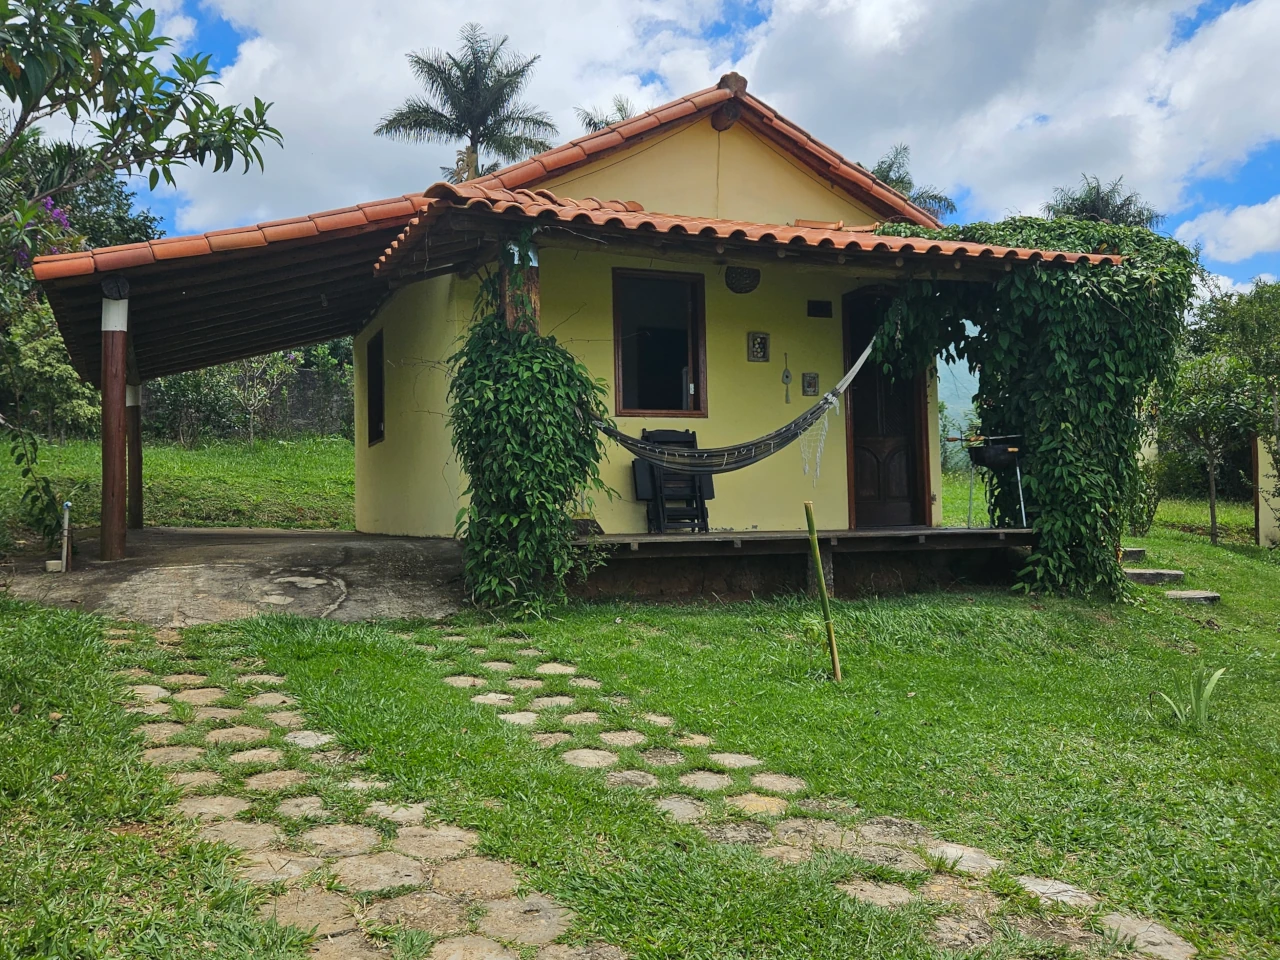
pixel 815 558
pixel 510 293
pixel 133 426
pixel 115 335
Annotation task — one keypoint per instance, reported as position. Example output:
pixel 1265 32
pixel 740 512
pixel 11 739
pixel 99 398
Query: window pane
pixel 656 343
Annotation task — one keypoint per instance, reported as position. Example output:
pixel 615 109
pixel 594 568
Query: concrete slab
pixel 178 577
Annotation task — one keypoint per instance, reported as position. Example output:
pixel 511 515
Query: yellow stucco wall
pixel 1268 524
pixel 410 482
pixel 698 171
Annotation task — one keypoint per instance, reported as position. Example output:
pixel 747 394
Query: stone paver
pixel 493 699
pixel 878 894
pixel 742 832
pixel 200 696
pixel 695 740
pixel 262 679
pixel 535 920
pixel 336 758
pixel 706 780
pixel 622 738
pixel 133 673
pixel 361 785
pixel 276 780
pixel 501 666
pixel 160 732
pixel 218 713
pixel 659 720
pixel 315 907
pixel 681 809
pixel 778 783
pixel 524 683
pixel 545 740
pixel 477 877
pixel 257 755
pixel 268 866
pixel 166 756
pixel 242 836
pixel 478 651
pixel 755 803
pixel 237 735
pixel 470 948
pixel 1149 938
pixel 301 808
pixel 423 910
pixel 521 718
pixel 590 759
pixel 212 808
pixel 581 719
pixel 550 703
pixel 442 842
pixel 530 652
pixel 184 680
pixel 734 761
pixel 405 814
pixel 149 709
pixel 970 860
pixel 377 871
pixel 556 669
pixel 631 778
pixel 462 681
pixel 807 832
pixel 1055 891
pixel 341 839
pixel 271 699
pixel 960 933
pixel 148 692
pixel 307 739
pixel 591 951
pixel 785 853
pixel 894 831
pixel 661 757
pixel 973 897
pixel 349 946
pixel 194 780
pixel 584 683
pixel 289 719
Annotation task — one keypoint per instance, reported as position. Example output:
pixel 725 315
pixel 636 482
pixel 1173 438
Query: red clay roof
pixel 378 213
pixel 755 113
pixel 543 206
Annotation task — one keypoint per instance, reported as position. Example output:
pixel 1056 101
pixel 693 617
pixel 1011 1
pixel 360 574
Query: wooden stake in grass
pixel 822 590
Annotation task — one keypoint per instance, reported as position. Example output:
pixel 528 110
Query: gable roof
pixel 616 217
pixel 726 103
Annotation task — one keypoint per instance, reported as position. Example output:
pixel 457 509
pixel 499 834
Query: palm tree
pixel 595 119
pixel 1110 203
pixel 473 96
pixel 893 170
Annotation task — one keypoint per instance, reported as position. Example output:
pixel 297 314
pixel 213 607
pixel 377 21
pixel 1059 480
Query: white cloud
pixel 1236 234
pixel 1002 100
pixel 1217 284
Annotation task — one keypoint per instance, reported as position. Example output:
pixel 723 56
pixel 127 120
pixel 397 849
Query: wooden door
pixel 882 419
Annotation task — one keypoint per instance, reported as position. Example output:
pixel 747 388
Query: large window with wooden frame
pixel 375 389
pixel 659 344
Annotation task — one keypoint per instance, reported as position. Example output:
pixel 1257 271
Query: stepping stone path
pixel 262 679
pixel 1193 596
pixel 1151 577
pixel 467 902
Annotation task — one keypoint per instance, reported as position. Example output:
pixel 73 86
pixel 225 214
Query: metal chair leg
pixel 1021 503
pixel 969 522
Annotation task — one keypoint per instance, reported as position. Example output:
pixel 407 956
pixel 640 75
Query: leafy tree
pixel 472 95
pixel 191 406
pixel 257 381
pixel 1208 408
pixel 893 169
pixel 37 377
pixel 1109 203
pixel 595 119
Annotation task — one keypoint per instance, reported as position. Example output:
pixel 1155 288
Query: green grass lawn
pixel 307 483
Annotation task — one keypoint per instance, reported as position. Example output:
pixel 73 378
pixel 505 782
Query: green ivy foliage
pixel 521 411
pixel 1066 356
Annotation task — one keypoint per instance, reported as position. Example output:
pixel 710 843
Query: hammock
pixel 725 459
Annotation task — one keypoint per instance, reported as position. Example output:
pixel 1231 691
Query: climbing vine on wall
pixel 1065 357
pixel 521 411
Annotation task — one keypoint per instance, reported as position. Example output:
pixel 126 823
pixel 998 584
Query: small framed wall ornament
pixel 809 384
pixel 758 347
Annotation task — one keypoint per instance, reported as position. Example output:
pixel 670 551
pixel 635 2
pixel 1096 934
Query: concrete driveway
pixel 178 577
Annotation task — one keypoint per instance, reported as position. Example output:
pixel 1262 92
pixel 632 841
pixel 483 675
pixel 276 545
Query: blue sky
pixel 1180 98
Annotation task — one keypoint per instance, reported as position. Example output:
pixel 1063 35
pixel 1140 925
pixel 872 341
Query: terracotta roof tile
pixel 542 205
pixel 122 257
pixel 289 230
pixel 675 111
pixel 236 240
pixel 564 156
pixel 340 220
pixel 173 248
pixel 710 97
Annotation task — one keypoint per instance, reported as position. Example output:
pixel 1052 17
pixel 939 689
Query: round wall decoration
pixel 741 279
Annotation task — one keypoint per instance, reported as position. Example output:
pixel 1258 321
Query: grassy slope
pixel 88 867
pixel 304 483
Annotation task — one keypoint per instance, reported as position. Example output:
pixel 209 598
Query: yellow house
pixel 711 262
pixel 1266 508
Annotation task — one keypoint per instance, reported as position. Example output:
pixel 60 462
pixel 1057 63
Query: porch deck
pixel 776 542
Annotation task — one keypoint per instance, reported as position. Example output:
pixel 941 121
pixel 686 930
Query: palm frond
pixel 595 119
pixel 936 203
pixel 419 121
pixel 1094 200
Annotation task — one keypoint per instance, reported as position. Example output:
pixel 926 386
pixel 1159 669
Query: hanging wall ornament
pixel 786 375
pixel 741 279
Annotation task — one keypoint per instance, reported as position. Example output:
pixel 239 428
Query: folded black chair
pixel 674 501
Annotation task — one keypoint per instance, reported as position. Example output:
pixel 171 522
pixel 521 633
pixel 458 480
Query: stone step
pixel 1193 596
pixel 1139 575
pixel 1133 554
